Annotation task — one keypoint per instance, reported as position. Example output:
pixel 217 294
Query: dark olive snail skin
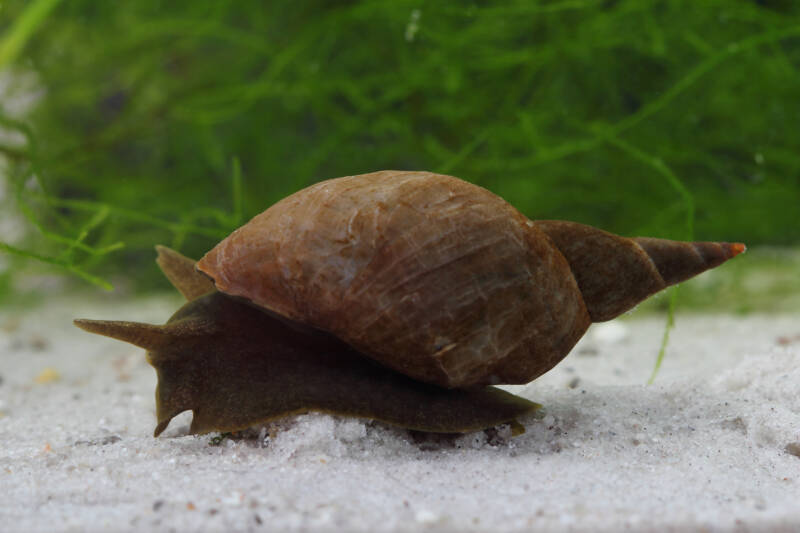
pixel 235 366
pixel 395 296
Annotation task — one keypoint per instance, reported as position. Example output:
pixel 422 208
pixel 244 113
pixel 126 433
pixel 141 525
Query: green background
pixel 174 122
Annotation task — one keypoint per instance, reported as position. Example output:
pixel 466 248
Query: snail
pixel 396 296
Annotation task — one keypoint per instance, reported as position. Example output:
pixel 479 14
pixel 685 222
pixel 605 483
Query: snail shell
pixel 441 280
pixel 428 275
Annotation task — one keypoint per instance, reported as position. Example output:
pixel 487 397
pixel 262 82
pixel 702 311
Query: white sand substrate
pixel 713 445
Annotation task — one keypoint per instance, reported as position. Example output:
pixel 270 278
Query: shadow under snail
pixel 396 296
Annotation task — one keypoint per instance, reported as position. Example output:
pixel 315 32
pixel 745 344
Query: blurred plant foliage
pixel 173 122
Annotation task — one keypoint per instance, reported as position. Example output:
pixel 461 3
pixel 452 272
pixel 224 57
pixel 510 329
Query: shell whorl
pixel 432 276
pixel 616 273
pixel 678 261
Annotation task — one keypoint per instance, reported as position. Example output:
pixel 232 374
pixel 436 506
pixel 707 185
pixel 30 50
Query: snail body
pixel 398 296
pixel 234 365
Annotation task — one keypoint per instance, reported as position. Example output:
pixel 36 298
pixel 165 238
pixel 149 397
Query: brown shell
pixel 435 277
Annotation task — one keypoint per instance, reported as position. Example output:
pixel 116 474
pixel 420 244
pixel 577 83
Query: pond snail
pixel 395 296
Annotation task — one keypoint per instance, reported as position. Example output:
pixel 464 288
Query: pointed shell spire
pixel 616 273
pixel 678 261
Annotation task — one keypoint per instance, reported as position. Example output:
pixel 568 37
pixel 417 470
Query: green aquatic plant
pixel 176 122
